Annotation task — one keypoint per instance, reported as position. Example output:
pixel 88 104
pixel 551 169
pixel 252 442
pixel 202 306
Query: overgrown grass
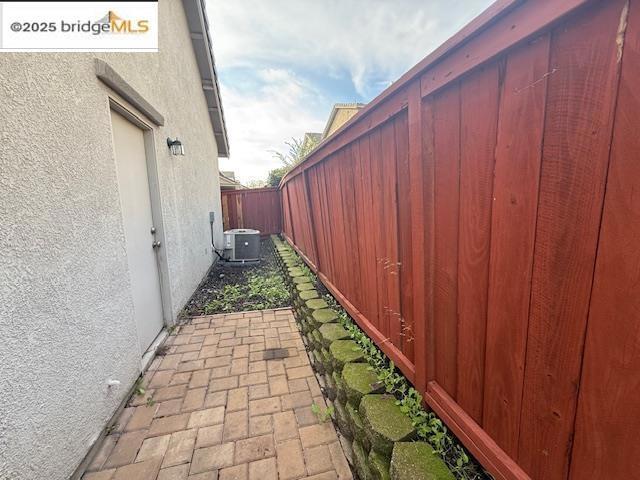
pixel 253 292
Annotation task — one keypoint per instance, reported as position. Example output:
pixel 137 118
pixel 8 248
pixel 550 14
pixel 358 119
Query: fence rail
pixel 480 221
pixel 257 208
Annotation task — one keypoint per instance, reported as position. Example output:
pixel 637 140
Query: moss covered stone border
pixel 381 435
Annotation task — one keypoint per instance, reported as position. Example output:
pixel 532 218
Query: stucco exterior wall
pixel 66 312
pixel 343 115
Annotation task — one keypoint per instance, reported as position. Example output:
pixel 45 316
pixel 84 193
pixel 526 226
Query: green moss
pixel 302 279
pixel 345 351
pixel 330 332
pixel 308 295
pixel 340 391
pixel 384 422
pixel 416 461
pixel 360 461
pixel 316 304
pixel 317 339
pixel 342 419
pixel 359 380
pixel 295 272
pixel 326 315
pixel 326 359
pixel 357 426
pixel 302 287
pixel 379 466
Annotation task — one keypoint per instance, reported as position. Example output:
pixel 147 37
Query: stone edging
pixel 381 437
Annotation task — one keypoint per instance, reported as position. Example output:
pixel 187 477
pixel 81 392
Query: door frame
pixel 156 208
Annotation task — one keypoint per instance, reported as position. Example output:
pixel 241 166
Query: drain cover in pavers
pixel 273 353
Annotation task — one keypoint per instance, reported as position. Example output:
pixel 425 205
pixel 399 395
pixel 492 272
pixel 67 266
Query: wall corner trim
pixel 112 79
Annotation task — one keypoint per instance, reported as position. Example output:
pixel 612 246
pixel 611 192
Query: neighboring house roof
pixel 202 46
pixel 228 181
pixel 340 114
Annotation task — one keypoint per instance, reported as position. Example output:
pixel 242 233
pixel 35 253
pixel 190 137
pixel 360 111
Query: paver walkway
pixel 228 407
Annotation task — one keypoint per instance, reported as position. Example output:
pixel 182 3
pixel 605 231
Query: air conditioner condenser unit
pixel 242 245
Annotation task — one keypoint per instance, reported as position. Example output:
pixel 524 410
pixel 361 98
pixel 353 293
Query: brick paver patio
pixel 228 406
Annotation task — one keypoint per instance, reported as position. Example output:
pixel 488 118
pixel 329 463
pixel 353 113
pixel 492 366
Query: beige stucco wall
pixel 66 313
pixel 343 115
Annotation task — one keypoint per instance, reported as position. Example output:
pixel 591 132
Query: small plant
pixel 322 414
pixel 150 402
pixel 138 388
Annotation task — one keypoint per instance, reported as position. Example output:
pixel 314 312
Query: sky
pixel 282 64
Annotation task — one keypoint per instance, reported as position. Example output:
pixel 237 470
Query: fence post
pixel 314 241
pixel 419 243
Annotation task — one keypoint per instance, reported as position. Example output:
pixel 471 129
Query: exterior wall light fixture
pixel 175 146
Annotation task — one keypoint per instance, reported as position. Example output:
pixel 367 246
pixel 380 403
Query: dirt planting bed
pixel 232 288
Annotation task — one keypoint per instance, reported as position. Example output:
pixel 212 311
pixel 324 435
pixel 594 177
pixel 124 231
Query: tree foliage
pixel 298 149
pixel 276 175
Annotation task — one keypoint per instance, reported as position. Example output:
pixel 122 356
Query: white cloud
pixel 371 42
pixel 370 39
pixel 260 122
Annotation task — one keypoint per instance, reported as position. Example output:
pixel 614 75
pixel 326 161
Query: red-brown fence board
pixel 479 221
pixel 608 418
pixel 257 208
pixel 515 194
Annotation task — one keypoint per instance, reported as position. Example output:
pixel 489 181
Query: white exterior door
pixel 135 201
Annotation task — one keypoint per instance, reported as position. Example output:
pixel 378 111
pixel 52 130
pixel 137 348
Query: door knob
pixel 156 244
pixel 153 230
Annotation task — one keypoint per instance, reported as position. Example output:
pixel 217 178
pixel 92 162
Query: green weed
pixel 323 414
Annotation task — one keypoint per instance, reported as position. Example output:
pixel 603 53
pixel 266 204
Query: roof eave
pixel 202 46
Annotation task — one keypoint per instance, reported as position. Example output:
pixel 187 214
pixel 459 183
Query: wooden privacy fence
pixel 481 221
pixel 257 208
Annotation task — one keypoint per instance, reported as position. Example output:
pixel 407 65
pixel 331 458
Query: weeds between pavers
pixel 440 443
